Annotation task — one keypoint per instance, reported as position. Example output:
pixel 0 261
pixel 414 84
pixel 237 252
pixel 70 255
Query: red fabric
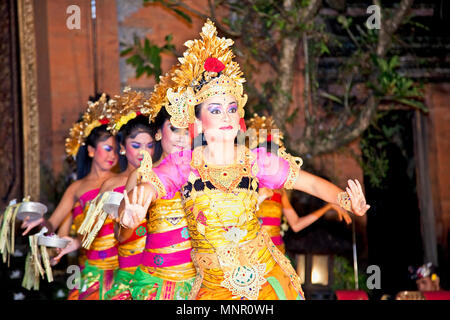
pixel 351 295
pixel 436 295
pixel 276 197
pixel 242 124
pixel 135 236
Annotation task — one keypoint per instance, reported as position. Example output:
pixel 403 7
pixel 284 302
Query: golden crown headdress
pixel 206 69
pixel 128 106
pixel 97 114
pixel 158 97
pixel 261 129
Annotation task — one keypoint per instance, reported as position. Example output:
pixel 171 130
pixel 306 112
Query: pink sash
pixel 161 260
pixel 277 240
pixel 106 230
pixel 87 196
pixel 267 221
pixel 102 254
pixel 130 261
pixel 76 211
pixel 119 189
pixel 165 239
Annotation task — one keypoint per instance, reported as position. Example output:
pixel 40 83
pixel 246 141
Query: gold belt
pixel 227 257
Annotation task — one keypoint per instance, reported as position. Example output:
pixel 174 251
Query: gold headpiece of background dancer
pixel 97 114
pixel 271 134
pixel 158 98
pixel 128 106
pixel 206 69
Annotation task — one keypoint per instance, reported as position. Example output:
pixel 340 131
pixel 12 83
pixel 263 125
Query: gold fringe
pixel 30 281
pixel 35 255
pixel 46 261
pixel 94 220
pixel 7 232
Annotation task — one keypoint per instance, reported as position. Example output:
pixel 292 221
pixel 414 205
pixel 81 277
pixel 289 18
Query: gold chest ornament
pixel 242 276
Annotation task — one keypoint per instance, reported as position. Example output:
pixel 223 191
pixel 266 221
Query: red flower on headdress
pixel 213 65
pixel 104 121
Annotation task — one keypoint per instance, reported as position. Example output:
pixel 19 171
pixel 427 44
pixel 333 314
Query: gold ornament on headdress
pixel 261 129
pixel 158 97
pixel 128 106
pixel 98 113
pixel 206 69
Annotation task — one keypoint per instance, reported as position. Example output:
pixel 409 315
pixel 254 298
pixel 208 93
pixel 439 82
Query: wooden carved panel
pixel 30 110
pixel 10 123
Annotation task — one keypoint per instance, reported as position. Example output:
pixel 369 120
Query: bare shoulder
pixel 114 182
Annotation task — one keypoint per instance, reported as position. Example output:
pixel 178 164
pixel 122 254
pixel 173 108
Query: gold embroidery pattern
pixel 245 281
pixel 147 175
pixel 198 279
pixel 283 262
pixel 344 201
pixel 294 167
pixel 224 178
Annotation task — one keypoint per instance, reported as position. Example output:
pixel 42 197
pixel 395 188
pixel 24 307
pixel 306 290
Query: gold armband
pixel 147 175
pixel 344 201
pixel 294 167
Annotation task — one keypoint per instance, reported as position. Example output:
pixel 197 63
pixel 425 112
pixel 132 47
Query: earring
pixel 122 152
pixel 158 136
pixel 242 124
pixel 192 131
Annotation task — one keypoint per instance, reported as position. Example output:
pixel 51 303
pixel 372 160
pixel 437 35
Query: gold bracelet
pixel 344 201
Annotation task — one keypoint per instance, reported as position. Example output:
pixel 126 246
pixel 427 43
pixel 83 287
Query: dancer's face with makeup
pixel 134 145
pixel 104 154
pixel 173 139
pixel 219 118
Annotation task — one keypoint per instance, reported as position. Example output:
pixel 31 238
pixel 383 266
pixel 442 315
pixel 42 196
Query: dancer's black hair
pixel 133 127
pixel 99 134
pixel 84 162
pixel 160 119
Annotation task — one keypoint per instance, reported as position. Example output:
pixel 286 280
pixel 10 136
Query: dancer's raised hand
pixel 357 198
pixel 135 211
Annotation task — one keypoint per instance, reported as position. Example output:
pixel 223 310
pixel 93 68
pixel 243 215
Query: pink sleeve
pixel 273 171
pixel 173 172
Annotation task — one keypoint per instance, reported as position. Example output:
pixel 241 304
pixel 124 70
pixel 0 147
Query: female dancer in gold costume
pixel 234 258
pixel 94 149
pixel 131 123
pixel 167 271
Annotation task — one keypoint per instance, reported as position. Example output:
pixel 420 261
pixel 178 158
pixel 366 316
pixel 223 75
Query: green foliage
pixel 394 87
pixel 344 276
pixel 373 143
pixel 262 25
pixel 173 6
pixel 145 56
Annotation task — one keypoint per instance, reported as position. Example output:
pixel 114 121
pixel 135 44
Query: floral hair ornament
pixel 97 114
pixel 426 270
pixel 206 69
pixel 128 106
